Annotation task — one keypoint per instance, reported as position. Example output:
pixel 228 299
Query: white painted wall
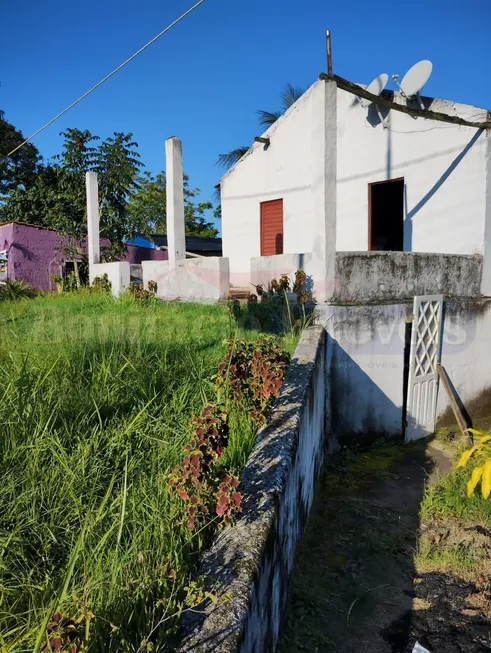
pixel 266 268
pixel 445 188
pixel 366 363
pixel 198 279
pixel 486 272
pixel 365 366
pixel 293 168
pixel 117 273
pixel 466 352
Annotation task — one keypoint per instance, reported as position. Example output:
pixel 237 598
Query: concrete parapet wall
pixel 363 277
pixel 197 279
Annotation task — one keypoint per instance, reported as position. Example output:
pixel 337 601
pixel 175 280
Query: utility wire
pixel 106 77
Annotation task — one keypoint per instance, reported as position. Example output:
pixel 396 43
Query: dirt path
pixel 356 586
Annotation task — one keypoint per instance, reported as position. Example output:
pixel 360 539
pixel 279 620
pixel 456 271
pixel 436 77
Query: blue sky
pixel 204 80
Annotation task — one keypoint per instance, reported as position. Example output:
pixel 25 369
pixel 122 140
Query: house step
pixel 239 294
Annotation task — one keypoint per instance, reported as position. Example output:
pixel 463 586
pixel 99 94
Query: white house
pixel 336 178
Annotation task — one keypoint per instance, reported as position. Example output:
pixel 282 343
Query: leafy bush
pixel 279 289
pixel 480 453
pixel 138 292
pixel 102 284
pixel 13 289
pixel 204 490
pixel 271 309
pixel 253 372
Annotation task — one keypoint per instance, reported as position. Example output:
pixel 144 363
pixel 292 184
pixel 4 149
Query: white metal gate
pixel 423 374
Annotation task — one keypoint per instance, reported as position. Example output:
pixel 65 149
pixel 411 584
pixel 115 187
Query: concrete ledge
pixel 196 279
pixel 382 276
pixel 118 274
pixel 252 561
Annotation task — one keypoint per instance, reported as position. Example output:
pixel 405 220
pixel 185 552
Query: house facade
pixel 335 177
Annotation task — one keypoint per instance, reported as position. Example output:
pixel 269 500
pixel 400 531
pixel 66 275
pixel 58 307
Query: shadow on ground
pixel 355 586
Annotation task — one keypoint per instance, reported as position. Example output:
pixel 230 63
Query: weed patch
pixel 97 400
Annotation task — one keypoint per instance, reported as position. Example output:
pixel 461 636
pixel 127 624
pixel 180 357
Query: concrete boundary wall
pixel 252 561
pixel 204 279
pixel 365 277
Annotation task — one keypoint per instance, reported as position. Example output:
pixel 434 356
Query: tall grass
pixel 95 401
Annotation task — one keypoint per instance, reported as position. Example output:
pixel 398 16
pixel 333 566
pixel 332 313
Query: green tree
pixel 56 198
pixel 147 206
pixel 18 170
pixel 289 96
pixel 117 164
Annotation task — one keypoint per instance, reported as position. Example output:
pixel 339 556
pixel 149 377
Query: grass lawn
pixel 96 398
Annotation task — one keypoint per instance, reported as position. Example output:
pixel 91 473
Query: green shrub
pixel 16 290
pixel 102 284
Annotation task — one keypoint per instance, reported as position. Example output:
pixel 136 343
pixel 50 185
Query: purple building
pixel 33 254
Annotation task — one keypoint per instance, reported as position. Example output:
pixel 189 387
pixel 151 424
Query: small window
pixel 271 218
pixel 68 269
pixel 386 216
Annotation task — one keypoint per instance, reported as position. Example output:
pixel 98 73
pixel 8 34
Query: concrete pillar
pixel 323 189
pixel 176 240
pixel 486 261
pixel 93 248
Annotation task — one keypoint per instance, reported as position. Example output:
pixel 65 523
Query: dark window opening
pixel 68 269
pixel 386 216
pixel 83 271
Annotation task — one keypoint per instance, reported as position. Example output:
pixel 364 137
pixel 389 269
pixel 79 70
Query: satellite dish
pixel 415 78
pixel 375 88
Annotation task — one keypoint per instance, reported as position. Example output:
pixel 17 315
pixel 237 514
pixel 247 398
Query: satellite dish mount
pixel 414 80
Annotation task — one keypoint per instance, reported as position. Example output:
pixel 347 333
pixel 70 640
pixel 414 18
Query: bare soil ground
pixel 371 577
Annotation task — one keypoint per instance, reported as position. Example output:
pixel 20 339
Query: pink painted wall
pixel 33 254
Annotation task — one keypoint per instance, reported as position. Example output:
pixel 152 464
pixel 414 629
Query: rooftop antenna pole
pixel 328 52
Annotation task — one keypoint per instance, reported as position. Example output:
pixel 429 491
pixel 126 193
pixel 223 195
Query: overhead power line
pixel 82 97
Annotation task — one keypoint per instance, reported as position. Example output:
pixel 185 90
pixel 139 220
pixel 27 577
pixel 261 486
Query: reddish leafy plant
pixel 202 488
pixel 62 633
pixel 253 372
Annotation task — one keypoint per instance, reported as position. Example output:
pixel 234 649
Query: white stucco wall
pixel 197 279
pixel 443 166
pixel 366 364
pixel 365 353
pixel 266 268
pixel 466 352
pixel 292 167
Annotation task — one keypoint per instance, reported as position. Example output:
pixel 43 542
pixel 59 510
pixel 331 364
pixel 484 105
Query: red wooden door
pixel 271 228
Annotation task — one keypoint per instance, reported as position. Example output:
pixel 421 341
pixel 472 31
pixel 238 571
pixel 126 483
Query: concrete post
pixel 323 189
pixel 486 259
pixel 93 248
pixel 176 241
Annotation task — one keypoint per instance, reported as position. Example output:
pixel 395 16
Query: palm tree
pixel 289 96
pixel 228 160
